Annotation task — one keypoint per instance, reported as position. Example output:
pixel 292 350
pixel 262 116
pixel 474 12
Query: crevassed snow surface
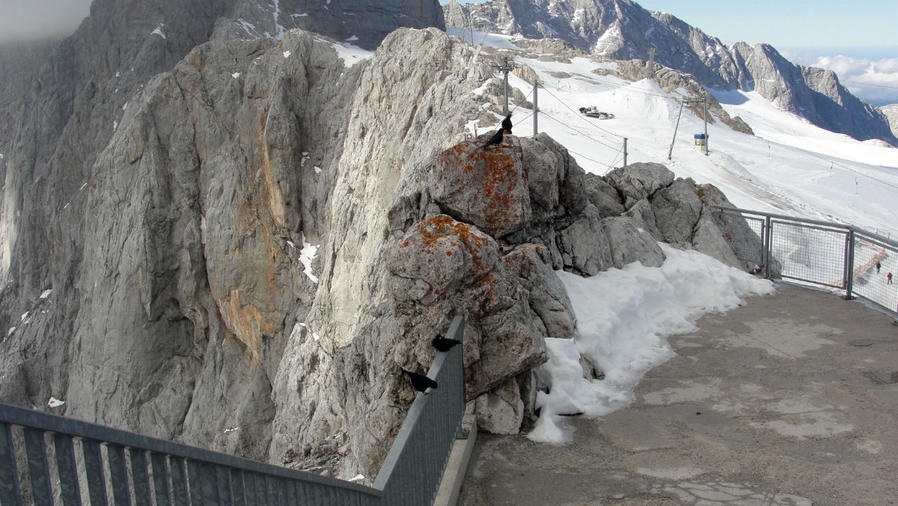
pixel 624 317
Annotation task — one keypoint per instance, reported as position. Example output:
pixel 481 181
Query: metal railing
pixel 68 461
pixel 836 256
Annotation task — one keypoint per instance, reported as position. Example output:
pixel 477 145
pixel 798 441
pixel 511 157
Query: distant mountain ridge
pixel 891 113
pixel 622 30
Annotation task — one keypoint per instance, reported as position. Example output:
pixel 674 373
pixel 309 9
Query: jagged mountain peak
pixel 623 30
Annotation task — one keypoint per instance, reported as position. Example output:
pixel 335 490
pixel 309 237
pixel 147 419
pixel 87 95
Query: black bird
pixel 444 343
pixel 506 124
pixel 495 139
pixel 420 382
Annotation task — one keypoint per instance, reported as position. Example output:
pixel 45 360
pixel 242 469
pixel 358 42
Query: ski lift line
pixel 834 163
pixel 524 118
pixel 525 99
pixel 849 169
pixel 580 115
pixel 611 165
pixel 586 157
pixel 581 132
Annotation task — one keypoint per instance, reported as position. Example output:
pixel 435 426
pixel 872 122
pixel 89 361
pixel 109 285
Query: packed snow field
pixel 624 317
pixel 788 167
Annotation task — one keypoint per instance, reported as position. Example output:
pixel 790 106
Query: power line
pixel 525 99
pixel 849 169
pixel 579 115
pixel 581 155
pixel 524 118
pixel 610 165
pixel 581 132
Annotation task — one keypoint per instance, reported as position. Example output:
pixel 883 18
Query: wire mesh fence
pixel 757 225
pixel 840 257
pixel 874 260
pixel 810 253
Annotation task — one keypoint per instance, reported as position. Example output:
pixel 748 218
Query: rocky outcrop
pixel 891 114
pixel 480 230
pixel 622 30
pixel 363 23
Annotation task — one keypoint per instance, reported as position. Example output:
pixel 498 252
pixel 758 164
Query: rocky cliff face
pixel 363 23
pixel 622 30
pixel 891 114
pixel 101 214
pixel 241 251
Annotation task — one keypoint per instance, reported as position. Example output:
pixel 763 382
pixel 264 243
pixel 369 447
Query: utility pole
pixel 535 107
pixel 625 151
pixel 670 151
pixel 650 66
pixel 705 117
pixel 505 68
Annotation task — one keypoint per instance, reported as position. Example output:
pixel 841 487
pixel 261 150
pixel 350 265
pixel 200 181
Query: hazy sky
pixel 37 19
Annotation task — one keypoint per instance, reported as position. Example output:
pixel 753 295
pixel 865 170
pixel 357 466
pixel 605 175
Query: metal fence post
pixel 849 263
pixel 768 247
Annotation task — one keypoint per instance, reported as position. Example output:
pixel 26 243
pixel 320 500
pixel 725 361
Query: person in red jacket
pixel 889 278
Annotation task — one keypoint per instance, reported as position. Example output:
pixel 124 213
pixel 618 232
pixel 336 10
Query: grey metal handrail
pixel 842 256
pixel 147 470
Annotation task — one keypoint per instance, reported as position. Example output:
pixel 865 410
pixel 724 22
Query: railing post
pixel 849 263
pixel 9 475
pixel 768 246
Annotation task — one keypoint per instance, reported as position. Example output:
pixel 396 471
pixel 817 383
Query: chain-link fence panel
pixel 810 253
pixel 875 267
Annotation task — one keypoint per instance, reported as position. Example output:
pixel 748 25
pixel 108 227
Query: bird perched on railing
pixel 444 343
pixel 420 382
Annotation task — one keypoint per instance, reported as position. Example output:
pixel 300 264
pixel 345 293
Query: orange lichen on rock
pixel 437 227
pixel 487 185
pixel 245 321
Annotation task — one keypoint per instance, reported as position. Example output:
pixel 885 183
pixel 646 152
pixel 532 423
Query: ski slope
pixel 789 166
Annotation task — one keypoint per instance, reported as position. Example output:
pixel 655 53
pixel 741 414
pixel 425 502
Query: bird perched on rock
pixel 444 343
pixel 420 382
pixel 506 124
pixel 496 139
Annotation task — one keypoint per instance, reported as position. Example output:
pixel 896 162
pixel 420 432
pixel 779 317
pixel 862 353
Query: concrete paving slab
pixel 790 399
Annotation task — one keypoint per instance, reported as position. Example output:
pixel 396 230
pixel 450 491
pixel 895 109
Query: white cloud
pixel 873 80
